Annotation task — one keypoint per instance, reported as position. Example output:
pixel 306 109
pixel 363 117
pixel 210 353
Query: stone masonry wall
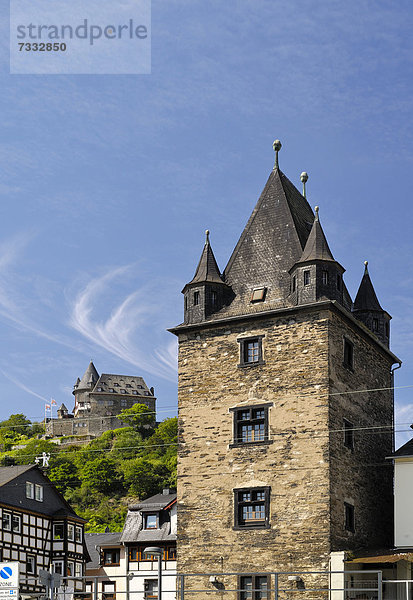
pixel 294 464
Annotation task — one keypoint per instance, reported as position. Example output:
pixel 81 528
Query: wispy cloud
pixel 23 387
pixel 122 331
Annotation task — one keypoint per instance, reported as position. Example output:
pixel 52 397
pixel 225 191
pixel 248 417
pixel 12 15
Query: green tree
pixel 143 477
pixel 140 418
pixel 101 475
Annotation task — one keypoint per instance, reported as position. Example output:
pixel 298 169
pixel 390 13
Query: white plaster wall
pixel 173 515
pixel 403 494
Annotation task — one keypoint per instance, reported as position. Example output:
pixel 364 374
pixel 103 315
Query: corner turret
pixel 367 309
pixel 206 293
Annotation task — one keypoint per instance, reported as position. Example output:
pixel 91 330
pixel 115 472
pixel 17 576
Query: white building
pixel 119 567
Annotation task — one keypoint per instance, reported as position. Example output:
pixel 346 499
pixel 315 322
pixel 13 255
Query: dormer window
pixel 100 389
pixel 123 391
pixel 134 392
pixel 151 521
pixel 111 390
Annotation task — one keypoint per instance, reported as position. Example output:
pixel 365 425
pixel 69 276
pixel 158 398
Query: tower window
pixel 349 520
pixel 250 351
pixel 253 587
pixel 250 425
pixel 214 298
pixel 348 434
pixel 252 508
pixel 339 282
pixel 324 276
pixel 196 298
pixel 306 277
pixel 348 360
pixel 387 327
pixel 375 324
pixel 294 284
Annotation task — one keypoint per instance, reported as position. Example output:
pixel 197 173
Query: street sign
pixel 9 581
pixel 49 580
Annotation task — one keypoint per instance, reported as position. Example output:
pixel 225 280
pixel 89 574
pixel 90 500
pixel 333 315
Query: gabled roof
pixel 133 530
pixel 90 376
pixel 316 247
pixel 271 243
pixel 9 473
pixel 207 269
pixel 366 298
pixel 405 450
pixel 94 541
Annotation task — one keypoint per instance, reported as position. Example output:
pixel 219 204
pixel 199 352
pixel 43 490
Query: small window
pixel 196 298
pixel 78 570
pixel 70 571
pixel 250 424
pixel 348 434
pixel 70 532
pixel 324 276
pixel 122 391
pixel 349 520
pixel 38 492
pixel 58 567
pixel 306 277
pixel 151 521
pixel 128 385
pixel 78 535
pixel 252 508
pixel 294 284
pixel 58 531
pixel 30 490
pixel 253 587
pixel 111 390
pixel 214 298
pixel 339 282
pixel 348 354
pixel 387 328
pixel 111 557
pixel 258 294
pixel 6 520
pixel 134 392
pixel 151 589
pixel 116 384
pixel 108 590
pixel 31 565
pixel 171 553
pixel 100 389
pixel 375 324
pixel 16 523
pixel 250 351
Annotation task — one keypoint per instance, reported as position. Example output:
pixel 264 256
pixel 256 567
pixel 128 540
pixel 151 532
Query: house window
pixel 29 490
pixel 324 276
pixel 70 571
pixel 151 521
pixel 171 553
pixel 78 535
pixel 253 587
pixel 70 532
pixel 58 531
pixel 38 492
pixel 78 570
pixel 250 351
pixel 196 298
pixel 252 508
pixel 349 521
pixel 348 354
pixel 306 277
pixel 16 523
pixel 108 590
pixel 258 294
pixel 111 557
pixel 58 567
pixel 348 434
pixel 31 565
pixel 88 590
pixel 6 520
pixel 151 589
pixel 250 424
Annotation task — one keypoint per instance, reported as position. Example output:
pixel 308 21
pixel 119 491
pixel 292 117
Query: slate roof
pixel 271 243
pixel 9 473
pixel 405 450
pixel 90 376
pixel 99 540
pixel 366 298
pixel 207 269
pixel 133 529
pixel 316 247
pixel 128 383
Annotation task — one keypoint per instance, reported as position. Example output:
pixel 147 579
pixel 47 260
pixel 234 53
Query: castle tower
pixel 277 464
pixel 82 389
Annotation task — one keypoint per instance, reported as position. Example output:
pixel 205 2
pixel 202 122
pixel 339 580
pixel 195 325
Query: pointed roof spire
pixel 277 145
pixel 90 377
pixel 366 298
pixel 207 269
pixel 316 247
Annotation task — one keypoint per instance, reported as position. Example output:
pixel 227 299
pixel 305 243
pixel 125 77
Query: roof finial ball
pixel 277 145
pixel 304 179
pixel 207 236
pixel 366 264
pixel 316 208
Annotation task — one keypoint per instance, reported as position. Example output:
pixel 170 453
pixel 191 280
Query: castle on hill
pixel 98 401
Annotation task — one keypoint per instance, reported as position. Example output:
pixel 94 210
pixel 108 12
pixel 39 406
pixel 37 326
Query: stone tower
pixel 281 454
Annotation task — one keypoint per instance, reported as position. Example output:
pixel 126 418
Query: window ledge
pixel 247 444
pixel 251 364
pixel 251 527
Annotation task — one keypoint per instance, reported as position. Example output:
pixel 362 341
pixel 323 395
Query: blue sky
pixel 107 183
